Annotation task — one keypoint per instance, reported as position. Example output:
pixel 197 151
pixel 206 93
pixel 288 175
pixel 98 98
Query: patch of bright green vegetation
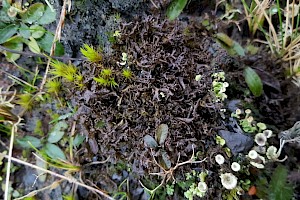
pixel 198 187
pixel 39 128
pixel 53 86
pixel 106 78
pixel 219 86
pixel 69 197
pixel 67 72
pixel 278 188
pixel 127 74
pixel 26 100
pixel 23 25
pixel 91 54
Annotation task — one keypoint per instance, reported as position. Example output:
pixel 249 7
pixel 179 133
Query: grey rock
pixel 56 193
pixel 233 105
pixel 28 178
pixel 236 142
pixel 124 6
pixel 116 177
pixel 139 193
pixel 125 174
pixel 83 193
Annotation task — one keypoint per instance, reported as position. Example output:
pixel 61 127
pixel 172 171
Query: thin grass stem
pixel 71 180
pixel 280 18
pixel 9 157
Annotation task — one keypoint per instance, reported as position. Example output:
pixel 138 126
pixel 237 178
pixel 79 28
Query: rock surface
pixel 236 142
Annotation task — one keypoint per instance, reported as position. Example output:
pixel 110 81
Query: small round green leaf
pixel 34 13
pixel 37 31
pixel 253 81
pixel 48 17
pixel 54 152
pixel 33 46
pixel 7 32
pixel 150 142
pixel 57 132
pixel 13 43
pixel 24 31
pixel 161 133
pixel 27 140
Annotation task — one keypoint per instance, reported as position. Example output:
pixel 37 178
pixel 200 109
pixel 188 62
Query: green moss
pixel 102 81
pixel 127 74
pixel 38 128
pixel 91 54
pixel 53 86
pixel 67 72
pixel 106 73
pixel 25 100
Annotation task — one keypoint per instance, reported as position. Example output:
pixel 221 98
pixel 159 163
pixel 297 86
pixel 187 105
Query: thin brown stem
pixel 56 38
pixel 168 174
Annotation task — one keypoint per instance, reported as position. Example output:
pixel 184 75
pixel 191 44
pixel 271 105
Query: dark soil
pixel 165 62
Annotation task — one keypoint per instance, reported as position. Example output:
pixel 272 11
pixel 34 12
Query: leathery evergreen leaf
pixel 37 31
pixel 161 133
pixel 175 8
pixel 166 160
pixel 48 17
pixel 24 31
pixel 150 142
pixel 34 13
pixel 7 32
pixel 27 140
pixel 33 46
pixel 13 43
pixel 253 81
pixel 54 152
pixel 57 132
pixel 45 42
